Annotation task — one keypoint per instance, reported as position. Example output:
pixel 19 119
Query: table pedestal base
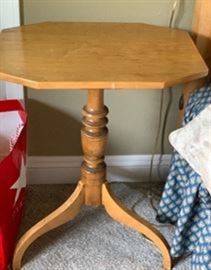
pixel 93 189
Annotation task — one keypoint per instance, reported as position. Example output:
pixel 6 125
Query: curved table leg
pixel 125 216
pixel 61 215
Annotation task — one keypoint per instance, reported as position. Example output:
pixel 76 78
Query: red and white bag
pixel 13 120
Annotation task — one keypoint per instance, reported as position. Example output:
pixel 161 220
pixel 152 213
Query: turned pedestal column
pixel 92 189
pixel 94 136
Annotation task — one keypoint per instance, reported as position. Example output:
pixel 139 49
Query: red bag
pixel 13 120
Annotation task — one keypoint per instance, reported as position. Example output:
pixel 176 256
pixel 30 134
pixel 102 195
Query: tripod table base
pixel 71 208
pixel 93 189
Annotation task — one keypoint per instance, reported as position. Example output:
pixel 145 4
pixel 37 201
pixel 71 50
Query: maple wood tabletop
pixel 80 55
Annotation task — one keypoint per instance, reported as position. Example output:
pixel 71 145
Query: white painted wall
pixel 10 17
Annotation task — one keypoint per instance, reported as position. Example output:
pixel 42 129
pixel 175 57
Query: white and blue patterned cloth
pixel 186 202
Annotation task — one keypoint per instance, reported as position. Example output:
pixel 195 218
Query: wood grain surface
pixel 65 55
pixel 202 31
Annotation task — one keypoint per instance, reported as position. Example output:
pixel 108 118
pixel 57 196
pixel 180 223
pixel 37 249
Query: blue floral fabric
pixel 186 202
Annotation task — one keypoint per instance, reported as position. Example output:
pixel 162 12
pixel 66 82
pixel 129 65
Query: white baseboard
pixel 61 170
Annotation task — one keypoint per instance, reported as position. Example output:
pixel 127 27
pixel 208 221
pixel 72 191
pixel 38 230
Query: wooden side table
pixel 96 56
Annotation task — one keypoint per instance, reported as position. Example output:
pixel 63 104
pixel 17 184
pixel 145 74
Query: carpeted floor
pixel 93 241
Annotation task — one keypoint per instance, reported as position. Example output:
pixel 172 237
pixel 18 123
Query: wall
pixel 10 17
pixel 55 116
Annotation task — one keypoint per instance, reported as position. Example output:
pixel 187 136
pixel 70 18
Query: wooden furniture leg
pixel 94 139
pixel 122 214
pixel 93 170
pixel 92 189
pixel 94 136
pixel 61 215
pixel 187 90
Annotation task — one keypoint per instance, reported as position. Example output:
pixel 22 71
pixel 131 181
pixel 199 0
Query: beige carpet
pixel 92 241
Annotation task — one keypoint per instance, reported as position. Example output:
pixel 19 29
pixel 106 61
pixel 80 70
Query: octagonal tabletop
pixel 67 55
